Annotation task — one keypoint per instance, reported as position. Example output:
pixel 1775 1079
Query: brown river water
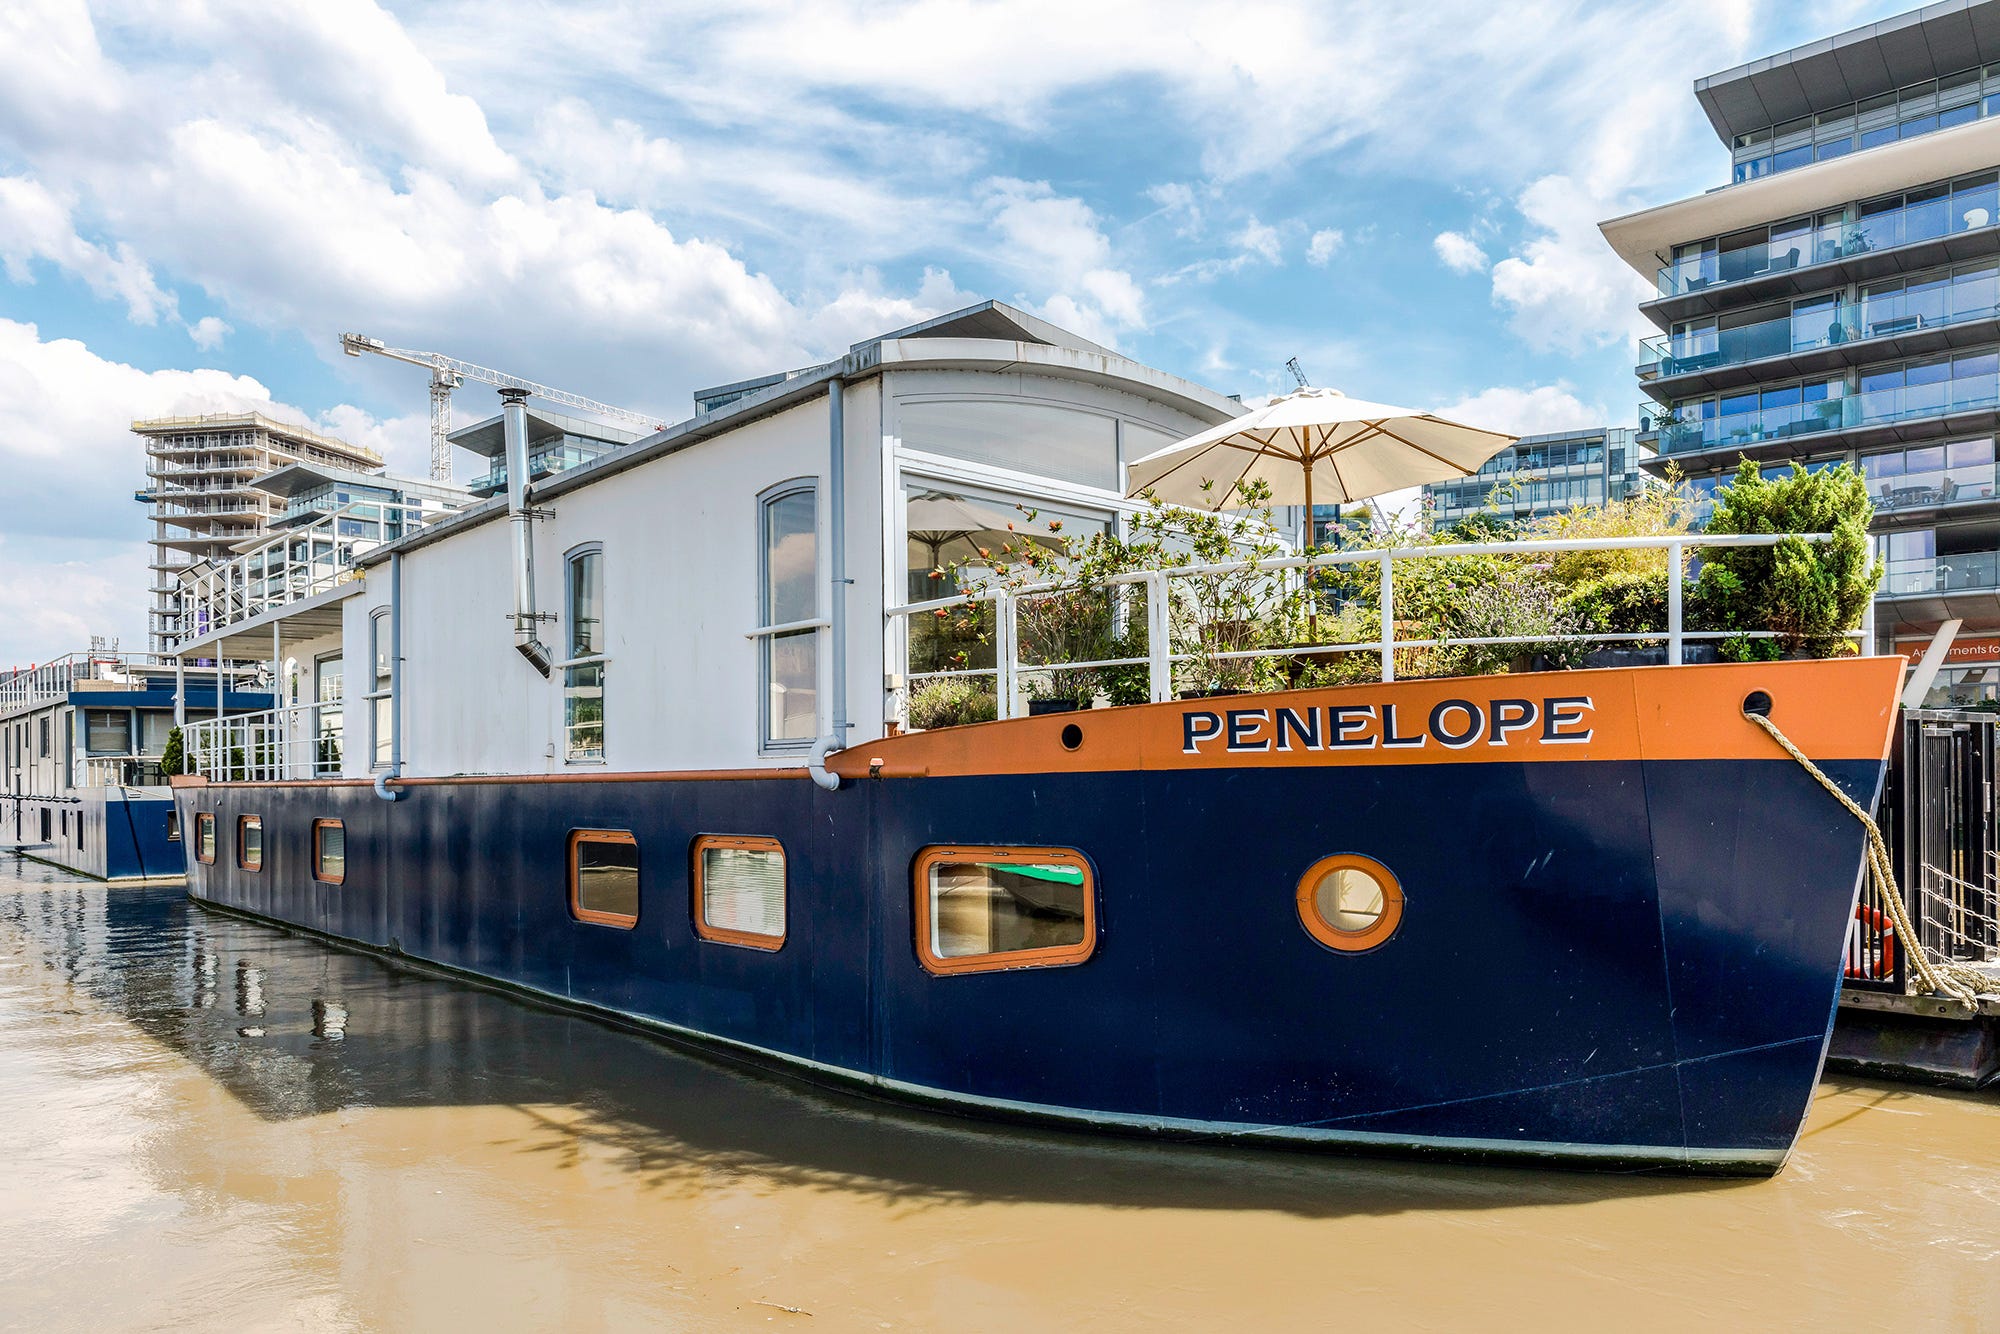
pixel 210 1123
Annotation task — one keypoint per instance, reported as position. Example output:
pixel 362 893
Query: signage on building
pixel 1961 652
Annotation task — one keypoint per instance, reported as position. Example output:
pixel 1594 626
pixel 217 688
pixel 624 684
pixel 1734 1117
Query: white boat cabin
pixel 717 595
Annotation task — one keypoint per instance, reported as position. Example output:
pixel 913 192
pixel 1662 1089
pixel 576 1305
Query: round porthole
pixel 1349 902
pixel 1072 737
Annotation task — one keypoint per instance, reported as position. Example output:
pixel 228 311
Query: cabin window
pixel 107 732
pixel 583 672
pixel 788 520
pixel 250 842
pixel 1350 903
pixel 204 837
pixel 383 703
pixel 739 890
pixel 604 877
pixel 985 908
pixel 173 826
pixel 329 851
pixel 153 728
pixel 45 737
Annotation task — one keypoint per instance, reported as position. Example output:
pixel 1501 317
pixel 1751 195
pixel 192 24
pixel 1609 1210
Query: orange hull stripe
pixel 1841 709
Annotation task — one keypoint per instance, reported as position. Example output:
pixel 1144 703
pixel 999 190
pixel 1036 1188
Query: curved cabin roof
pixel 972 339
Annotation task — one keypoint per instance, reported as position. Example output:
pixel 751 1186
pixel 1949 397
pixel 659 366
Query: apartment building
pixel 1540 475
pixel 200 475
pixel 1837 299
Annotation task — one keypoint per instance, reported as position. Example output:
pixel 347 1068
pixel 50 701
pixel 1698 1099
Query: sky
pixel 634 200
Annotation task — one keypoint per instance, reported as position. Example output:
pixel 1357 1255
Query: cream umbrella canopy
pixel 1316 446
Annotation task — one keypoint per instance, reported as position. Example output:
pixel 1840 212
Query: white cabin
pixel 684 583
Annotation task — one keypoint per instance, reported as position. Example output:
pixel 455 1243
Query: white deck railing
pixel 276 745
pixel 1008 668
pixel 56 678
pixel 290 566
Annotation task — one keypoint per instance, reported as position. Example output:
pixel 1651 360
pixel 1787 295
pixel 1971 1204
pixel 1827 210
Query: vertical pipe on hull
pixel 395 770
pixel 514 431
pixel 836 737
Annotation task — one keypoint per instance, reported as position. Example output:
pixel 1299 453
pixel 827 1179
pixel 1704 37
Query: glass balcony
pixel 1882 407
pixel 1894 486
pixel 1963 571
pixel 540 464
pixel 1962 211
pixel 1937 307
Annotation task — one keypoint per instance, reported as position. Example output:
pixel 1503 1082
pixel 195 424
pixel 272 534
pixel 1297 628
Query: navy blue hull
pixel 1616 961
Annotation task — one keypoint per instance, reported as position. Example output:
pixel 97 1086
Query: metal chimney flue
pixel 514 430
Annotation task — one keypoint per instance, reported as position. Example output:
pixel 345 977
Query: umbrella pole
pixel 1305 548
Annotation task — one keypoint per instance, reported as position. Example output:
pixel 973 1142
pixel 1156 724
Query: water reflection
pixel 314 1030
pixel 211 1116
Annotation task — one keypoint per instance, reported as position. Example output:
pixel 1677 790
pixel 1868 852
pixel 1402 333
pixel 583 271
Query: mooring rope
pixel 1941 977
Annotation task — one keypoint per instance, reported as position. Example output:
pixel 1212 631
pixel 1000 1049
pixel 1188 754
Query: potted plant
pixel 1812 593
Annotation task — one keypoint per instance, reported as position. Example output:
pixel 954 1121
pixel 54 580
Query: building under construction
pixel 200 473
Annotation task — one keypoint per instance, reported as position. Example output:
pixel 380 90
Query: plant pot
pixel 1037 707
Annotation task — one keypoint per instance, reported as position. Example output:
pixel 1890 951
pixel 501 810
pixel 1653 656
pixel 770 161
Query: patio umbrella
pixel 937 519
pixel 1316 446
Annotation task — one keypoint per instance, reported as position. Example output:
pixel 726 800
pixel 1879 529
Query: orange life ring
pixel 1885 930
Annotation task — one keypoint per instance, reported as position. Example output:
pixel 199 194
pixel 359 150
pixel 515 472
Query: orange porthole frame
pixel 725 935
pixel 1331 936
pixel 1047 956
pixel 578 837
pixel 204 824
pixel 318 873
pixel 243 822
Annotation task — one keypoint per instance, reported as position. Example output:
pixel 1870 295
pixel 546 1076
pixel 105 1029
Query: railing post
pixel 1003 666
pixel 1388 618
pixel 1159 650
pixel 1674 604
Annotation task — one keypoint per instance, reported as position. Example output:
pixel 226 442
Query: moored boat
pixel 1590 916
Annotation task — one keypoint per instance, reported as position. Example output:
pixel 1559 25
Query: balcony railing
pixel 1958 572
pixel 1009 674
pixel 1932 219
pixel 117 771
pixel 1880 407
pixel 56 678
pixel 1846 322
pixel 277 745
pixel 291 566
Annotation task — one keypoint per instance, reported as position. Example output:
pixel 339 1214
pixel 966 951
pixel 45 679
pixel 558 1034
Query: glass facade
pixel 1913 110
pixel 1542 475
pixel 1926 213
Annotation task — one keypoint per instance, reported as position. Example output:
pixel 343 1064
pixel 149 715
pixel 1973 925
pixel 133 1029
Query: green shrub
pixel 1621 602
pixel 951 701
pixel 1811 593
pixel 173 756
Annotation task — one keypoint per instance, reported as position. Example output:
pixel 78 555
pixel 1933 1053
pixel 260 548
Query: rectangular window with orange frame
pixel 329 851
pixel 981 909
pixel 250 842
pixel 204 837
pixel 604 877
pixel 739 890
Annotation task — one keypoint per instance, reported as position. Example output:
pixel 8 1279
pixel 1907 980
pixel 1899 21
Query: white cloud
pixel 616 161
pixel 1325 244
pixel 1057 241
pixel 36 226
pixel 1567 289
pixel 208 332
pixel 1459 252
pixel 1256 239
pixel 1540 410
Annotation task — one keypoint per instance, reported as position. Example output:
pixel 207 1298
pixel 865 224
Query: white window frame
pixel 818 624
pixel 600 659
pixel 381 688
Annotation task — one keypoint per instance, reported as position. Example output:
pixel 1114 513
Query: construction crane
pixel 1298 372
pixel 448 373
